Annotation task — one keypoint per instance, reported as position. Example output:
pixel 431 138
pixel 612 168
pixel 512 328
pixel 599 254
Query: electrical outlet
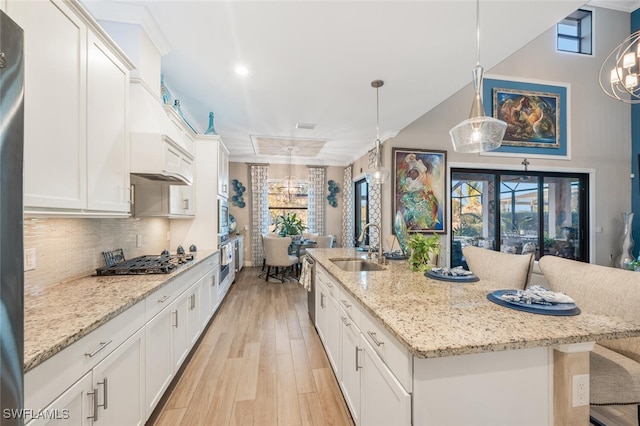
pixel 580 383
pixel 138 240
pixel 29 259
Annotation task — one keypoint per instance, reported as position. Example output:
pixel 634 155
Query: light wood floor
pixel 260 362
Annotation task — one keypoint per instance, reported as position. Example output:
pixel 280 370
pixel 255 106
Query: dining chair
pixel 277 256
pixel 507 270
pixel 309 235
pixel 267 235
pixel 324 241
pixel 614 365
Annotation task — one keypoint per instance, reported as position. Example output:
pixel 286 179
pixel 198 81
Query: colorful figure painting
pixel 419 188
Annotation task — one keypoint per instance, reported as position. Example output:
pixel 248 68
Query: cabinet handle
pixel 213 281
pixel 105 392
pixel 224 188
pixel 163 299
pixel 101 347
pixel 344 320
pixel 175 315
pixel 131 193
pixel 358 366
pixel 186 203
pixel 322 305
pixel 373 337
pixel 329 284
pixel 94 395
pixel 346 303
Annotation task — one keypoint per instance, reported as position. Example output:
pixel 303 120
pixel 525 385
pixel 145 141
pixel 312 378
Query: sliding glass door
pixel 519 212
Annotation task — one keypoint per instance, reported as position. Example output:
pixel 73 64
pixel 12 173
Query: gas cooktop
pixel 152 264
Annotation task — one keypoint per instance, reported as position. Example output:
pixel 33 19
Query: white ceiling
pixel 313 62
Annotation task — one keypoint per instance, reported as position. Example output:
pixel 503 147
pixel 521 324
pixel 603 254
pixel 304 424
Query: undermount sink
pixel 356 264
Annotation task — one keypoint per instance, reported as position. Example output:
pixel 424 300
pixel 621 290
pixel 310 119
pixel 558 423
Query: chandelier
pixel 479 132
pixel 290 186
pixel 619 72
pixel 377 174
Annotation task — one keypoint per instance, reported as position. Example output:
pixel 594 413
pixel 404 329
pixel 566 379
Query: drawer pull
pixel 344 320
pixel 94 395
pixel 322 305
pixel 358 367
pixel 105 392
pixel 373 337
pixel 346 303
pixel 175 315
pixel 102 346
pixel 163 299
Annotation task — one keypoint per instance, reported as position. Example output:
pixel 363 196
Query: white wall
pixel 600 128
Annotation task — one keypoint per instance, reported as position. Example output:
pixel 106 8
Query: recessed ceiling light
pixel 241 70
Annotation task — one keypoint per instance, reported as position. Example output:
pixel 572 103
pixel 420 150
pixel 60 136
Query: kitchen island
pixel 469 361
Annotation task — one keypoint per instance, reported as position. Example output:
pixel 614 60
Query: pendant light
pixel 479 132
pixel 377 174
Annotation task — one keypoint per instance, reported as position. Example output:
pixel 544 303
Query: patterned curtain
pixel 258 176
pixel 317 178
pixel 347 211
pixel 375 205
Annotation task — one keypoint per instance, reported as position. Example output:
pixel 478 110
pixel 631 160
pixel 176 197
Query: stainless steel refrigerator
pixel 11 223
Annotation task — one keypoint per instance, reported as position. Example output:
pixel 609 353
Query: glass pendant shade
pixel 479 132
pixel 377 175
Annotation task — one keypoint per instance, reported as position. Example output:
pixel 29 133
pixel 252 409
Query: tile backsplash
pixel 71 248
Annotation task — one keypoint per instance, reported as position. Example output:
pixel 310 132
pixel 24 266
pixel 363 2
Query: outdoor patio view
pixel 516 212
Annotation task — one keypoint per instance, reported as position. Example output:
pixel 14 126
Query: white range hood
pixel 158 151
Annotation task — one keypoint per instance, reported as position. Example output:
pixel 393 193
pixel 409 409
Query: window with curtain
pixel 518 212
pixel 285 198
pixel 361 210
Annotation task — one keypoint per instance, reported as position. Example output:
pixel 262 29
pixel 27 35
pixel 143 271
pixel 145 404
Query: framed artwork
pixel 537 117
pixel 419 188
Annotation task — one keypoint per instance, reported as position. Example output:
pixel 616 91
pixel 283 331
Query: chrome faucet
pixel 361 238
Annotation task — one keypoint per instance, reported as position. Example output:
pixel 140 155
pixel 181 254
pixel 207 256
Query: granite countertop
pixel 63 313
pixel 435 318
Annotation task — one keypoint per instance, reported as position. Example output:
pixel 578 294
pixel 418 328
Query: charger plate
pixel 456 279
pixel 558 309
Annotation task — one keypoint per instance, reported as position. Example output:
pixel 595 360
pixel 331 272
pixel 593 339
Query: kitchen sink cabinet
pixel 328 323
pixel 350 359
pixel 76 156
pixel 370 387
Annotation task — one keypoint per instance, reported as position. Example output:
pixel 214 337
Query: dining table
pixel 297 246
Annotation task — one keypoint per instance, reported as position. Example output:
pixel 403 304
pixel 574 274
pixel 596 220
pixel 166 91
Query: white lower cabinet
pixel 383 400
pixel 158 366
pixel 118 384
pixel 72 408
pixel 117 374
pixel 371 389
pixel 351 365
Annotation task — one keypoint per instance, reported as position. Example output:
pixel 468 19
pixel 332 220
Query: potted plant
pixel 422 250
pixel 289 224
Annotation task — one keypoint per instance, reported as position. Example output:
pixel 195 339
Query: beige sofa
pixel 614 364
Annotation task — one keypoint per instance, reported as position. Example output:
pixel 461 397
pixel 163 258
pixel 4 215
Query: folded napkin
pixel 458 271
pixel 537 295
pixel 305 273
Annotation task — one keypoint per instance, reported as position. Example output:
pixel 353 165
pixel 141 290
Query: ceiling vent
pixel 306 126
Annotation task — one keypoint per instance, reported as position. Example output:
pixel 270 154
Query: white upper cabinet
pixel 76 112
pixel 107 130
pixel 223 170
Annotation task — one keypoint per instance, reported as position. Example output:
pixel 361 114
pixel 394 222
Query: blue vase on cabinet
pixel 211 130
